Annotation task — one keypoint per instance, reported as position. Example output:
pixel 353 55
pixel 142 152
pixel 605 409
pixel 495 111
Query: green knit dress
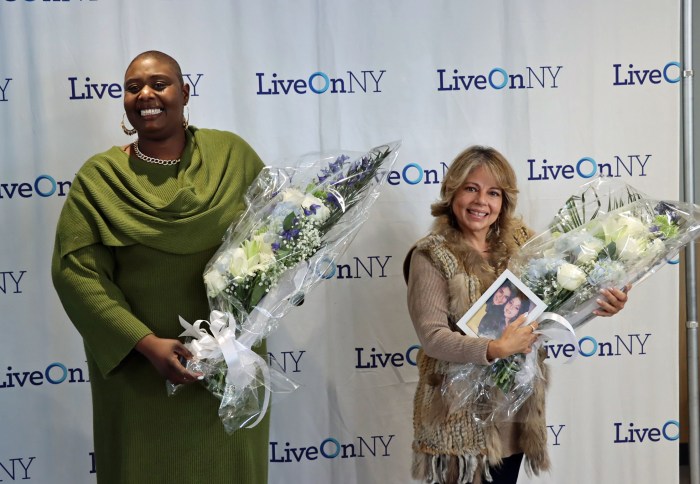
pixel 132 242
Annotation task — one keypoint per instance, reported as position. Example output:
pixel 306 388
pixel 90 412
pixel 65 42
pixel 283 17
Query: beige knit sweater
pixel 428 307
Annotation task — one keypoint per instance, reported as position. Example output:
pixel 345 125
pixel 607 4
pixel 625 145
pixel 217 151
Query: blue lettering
pixel 3 97
pixel 556 433
pixel 672 80
pixel 410 359
pixel 52 183
pixel 193 91
pixel 284 355
pixel 3 287
pixel 594 166
pixel 442 87
pixel 414 181
pixel 653 434
pixel 326 83
pixel 323 448
pixel 498 78
pixel 664 430
pixel 322 76
pixel 64 373
pixel 641 76
pixel 531 74
pixel 504 81
pixel 13 474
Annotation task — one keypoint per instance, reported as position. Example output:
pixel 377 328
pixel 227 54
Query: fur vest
pixel 448 447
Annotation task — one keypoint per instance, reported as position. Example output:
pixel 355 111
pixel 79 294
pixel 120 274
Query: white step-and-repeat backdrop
pixel 566 90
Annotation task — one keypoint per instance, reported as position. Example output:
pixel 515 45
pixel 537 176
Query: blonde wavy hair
pixel 459 171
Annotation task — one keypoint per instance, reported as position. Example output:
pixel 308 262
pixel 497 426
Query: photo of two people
pixel 500 305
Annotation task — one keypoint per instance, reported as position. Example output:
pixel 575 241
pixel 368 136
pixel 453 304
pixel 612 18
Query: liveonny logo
pixel 498 79
pixel 89 89
pixel 15 468
pixel 670 73
pixel 631 433
pixel 332 448
pixel 349 82
pixel 588 346
pixel 588 167
pixel 4 91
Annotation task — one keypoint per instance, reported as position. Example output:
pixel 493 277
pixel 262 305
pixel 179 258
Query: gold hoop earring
pixel 186 120
pixel 127 131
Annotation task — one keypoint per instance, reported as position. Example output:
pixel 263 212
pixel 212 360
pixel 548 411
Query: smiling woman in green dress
pixel 137 228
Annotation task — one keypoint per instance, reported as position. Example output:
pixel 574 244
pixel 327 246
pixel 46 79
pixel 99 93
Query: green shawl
pixel 107 204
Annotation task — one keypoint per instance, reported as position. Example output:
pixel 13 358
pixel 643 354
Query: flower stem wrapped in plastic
pixel 608 235
pixel 297 223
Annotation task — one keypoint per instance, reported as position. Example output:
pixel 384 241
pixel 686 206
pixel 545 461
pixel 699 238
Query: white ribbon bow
pixel 242 362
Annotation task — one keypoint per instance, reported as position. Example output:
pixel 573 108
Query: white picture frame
pixel 483 318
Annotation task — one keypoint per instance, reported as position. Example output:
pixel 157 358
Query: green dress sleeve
pixel 84 282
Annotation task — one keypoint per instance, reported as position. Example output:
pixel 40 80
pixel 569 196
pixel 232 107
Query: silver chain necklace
pixel 150 159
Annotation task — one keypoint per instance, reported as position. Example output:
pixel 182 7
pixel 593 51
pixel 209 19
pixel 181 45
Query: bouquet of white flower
pixel 608 235
pixel 297 223
pixel 569 264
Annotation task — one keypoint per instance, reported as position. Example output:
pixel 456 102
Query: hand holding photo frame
pixel 501 304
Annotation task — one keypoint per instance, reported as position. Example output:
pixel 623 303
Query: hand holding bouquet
pixel 297 223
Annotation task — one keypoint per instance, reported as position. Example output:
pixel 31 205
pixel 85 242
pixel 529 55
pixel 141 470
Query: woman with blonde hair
pixel 474 235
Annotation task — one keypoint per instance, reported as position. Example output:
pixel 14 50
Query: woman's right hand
pixel 517 337
pixel 164 355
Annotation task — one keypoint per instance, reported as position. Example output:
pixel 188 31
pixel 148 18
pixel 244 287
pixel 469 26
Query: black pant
pixel 507 472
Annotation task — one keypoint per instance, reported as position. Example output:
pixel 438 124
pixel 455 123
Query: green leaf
pixel 288 223
pixel 611 250
pixel 257 293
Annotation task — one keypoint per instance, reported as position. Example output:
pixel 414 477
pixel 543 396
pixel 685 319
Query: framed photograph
pixel 500 305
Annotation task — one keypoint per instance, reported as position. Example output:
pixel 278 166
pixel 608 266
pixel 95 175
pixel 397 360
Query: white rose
pixel 623 226
pixel 589 250
pixel 215 282
pixel 309 200
pixel 630 248
pixel 292 195
pixel 321 211
pixel 570 276
pixel 633 226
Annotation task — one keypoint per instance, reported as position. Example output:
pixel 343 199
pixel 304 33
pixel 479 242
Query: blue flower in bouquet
pixel 334 170
pixel 539 268
pixel 606 272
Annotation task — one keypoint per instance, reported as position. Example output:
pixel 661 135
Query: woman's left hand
pixel 612 302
